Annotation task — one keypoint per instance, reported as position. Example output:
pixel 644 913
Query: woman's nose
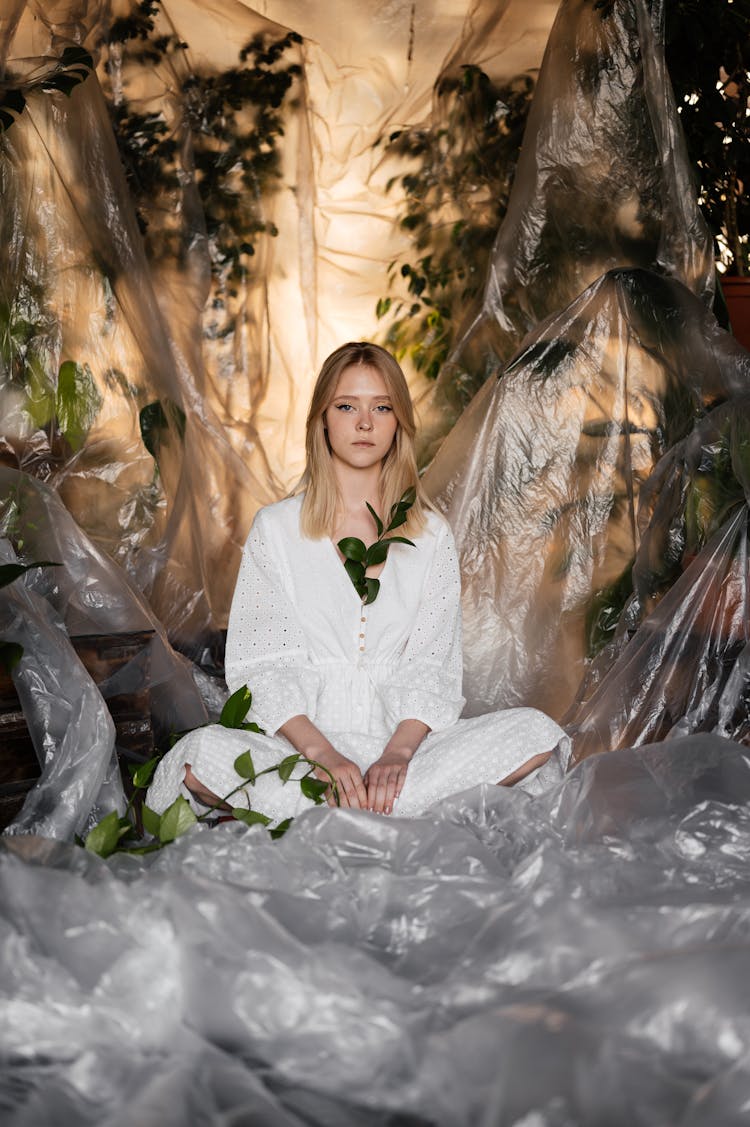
pixel 364 422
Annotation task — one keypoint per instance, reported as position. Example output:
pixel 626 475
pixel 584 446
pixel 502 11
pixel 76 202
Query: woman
pixel 369 691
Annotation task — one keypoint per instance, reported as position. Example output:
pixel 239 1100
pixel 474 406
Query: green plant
pixel 707 45
pixel 456 194
pixel 235 121
pixel 120 832
pixel 358 557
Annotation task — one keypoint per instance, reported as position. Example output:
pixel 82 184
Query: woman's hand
pixel 310 742
pixel 385 778
pixel 347 776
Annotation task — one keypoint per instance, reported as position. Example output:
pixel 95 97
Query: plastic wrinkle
pixel 366 967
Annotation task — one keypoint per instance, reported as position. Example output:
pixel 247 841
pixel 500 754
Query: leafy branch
pixel 120 833
pixel 358 557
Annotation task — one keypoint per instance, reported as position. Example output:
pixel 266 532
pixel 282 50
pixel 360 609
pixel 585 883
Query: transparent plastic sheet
pixel 603 181
pixel 144 316
pixel 68 721
pixel 87 595
pixel 540 478
pixel 680 658
pixel 580 956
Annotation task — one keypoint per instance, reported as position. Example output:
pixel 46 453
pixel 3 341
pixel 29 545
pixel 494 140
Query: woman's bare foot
pixel 203 794
pixel 525 769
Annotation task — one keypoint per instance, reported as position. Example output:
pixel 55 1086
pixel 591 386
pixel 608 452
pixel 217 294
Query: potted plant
pixel 708 55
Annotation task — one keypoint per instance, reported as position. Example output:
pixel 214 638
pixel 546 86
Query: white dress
pixel 303 642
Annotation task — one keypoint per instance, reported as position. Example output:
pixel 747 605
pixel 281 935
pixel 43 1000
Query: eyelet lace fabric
pixel 304 643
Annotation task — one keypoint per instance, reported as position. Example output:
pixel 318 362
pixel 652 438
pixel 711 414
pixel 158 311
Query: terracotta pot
pixel 737 296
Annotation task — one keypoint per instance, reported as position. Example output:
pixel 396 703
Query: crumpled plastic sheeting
pixel 68 721
pixel 575 958
pixel 79 288
pixel 680 659
pixel 87 594
pixel 144 326
pixel 603 181
pixel 540 477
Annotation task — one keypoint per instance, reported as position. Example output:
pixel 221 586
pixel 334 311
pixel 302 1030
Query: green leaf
pixel 400 540
pixel 372 586
pixel 77 402
pixel 10 655
pixel 280 830
pixel 141 773
pixel 244 766
pixel 286 767
pixel 236 708
pixel 352 548
pixel 11 572
pixel 104 837
pixel 175 820
pixel 355 571
pixel 251 726
pixel 151 820
pixel 376 553
pixel 399 518
pixel 376 518
pixel 250 817
pixel 314 789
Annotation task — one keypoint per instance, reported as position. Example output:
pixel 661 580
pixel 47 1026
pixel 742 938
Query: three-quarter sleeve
pixel 427 684
pixel 266 648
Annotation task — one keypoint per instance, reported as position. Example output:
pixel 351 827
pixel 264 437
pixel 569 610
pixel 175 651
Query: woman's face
pixel 360 420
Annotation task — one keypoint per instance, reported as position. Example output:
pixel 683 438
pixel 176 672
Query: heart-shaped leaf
pixel 352 548
pixel 236 708
pixel 176 820
pixel 250 817
pixel 245 767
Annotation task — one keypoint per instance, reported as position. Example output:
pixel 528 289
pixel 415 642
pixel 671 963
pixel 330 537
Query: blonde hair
pixel 399 467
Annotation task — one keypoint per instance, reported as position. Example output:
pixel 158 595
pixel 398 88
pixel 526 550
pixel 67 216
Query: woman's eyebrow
pixel 385 398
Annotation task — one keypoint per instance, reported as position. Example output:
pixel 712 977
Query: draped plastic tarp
pixel 229 361
pixel 576 958
pixel 541 476
pixel 87 594
pixel 603 181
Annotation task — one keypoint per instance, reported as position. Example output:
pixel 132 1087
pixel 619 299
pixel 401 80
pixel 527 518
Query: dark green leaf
pixel 236 708
pixel 244 766
pixel 376 553
pixel 352 548
pixel 399 518
pixel 77 401
pixel 151 820
pixel 250 817
pixel 280 830
pixel 376 518
pixel 175 820
pixel 355 571
pixel 400 540
pixel 10 655
pixel 314 789
pixel 104 837
pixel 141 773
pixel 10 572
pixel 251 726
pixel 286 767
pixel 372 586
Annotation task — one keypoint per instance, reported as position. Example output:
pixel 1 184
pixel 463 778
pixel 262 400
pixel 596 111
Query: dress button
pixel 361 649
pixel 363 619
pixel 361 635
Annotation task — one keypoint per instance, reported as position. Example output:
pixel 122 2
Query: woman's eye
pixel 343 407
pixel 384 407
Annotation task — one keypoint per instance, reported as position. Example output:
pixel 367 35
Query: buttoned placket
pixel 362 629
